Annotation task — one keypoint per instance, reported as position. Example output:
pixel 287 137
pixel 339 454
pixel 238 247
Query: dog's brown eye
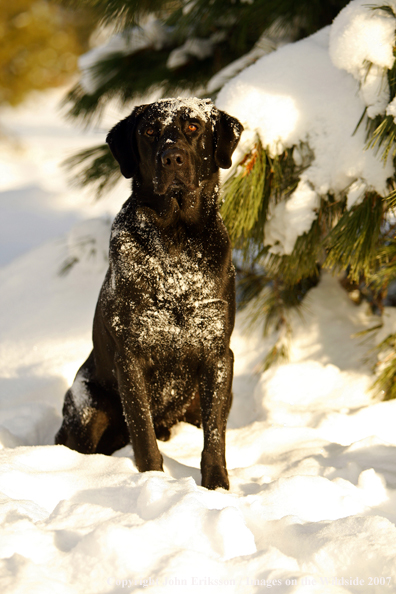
pixel 192 127
pixel 150 131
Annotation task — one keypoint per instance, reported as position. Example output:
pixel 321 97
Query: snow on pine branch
pixel 361 42
pixel 314 92
pixel 152 33
pixel 198 48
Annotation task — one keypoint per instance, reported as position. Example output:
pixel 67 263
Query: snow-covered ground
pixel 311 457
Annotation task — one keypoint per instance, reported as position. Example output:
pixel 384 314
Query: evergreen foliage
pixel 230 29
pixel 102 172
pixel 355 238
pixel 385 384
pixel 252 184
pixel 246 197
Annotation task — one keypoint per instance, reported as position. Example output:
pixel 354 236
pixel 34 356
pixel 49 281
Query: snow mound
pixel 311 462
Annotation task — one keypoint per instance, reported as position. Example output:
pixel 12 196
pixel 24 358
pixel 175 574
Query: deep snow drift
pixel 311 458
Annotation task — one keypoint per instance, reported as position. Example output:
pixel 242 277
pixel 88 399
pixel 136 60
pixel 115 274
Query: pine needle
pixel 352 243
pixel 96 167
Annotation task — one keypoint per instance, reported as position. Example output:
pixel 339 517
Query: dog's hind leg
pixel 83 423
pixel 91 423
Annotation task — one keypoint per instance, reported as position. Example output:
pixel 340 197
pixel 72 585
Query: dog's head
pixel 174 143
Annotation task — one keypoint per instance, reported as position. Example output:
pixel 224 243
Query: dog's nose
pixel 173 158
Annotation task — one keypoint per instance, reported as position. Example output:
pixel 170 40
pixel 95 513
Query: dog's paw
pixel 215 477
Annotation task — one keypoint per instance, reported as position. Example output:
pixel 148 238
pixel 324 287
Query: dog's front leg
pixel 215 396
pixel 137 411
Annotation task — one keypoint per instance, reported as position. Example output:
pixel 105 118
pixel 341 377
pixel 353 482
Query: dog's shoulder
pixel 131 233
pixel 123 224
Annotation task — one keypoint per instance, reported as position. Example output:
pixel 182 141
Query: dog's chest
pixel 167 300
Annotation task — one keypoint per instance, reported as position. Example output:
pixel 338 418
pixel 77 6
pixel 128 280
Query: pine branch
pixel 246 197
pixel 386 265
pixel 255 182
pixel 381 130
pixel 232 28
pixel 250 284
pixel 120 77
pixel 300 18
pixel 382 134
pixel 271 297
pixel 383 267
pixel 354 239
pixel 304 260
pixel 127 78
pixel 385 384
pixel 278 354
pixel 101 169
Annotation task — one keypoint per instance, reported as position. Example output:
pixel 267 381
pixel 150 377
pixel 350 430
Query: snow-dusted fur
pixel 166 309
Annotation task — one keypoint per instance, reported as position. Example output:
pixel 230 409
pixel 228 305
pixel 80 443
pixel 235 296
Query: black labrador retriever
pixel 165 313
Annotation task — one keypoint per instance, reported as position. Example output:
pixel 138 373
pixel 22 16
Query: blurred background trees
pixel 40 45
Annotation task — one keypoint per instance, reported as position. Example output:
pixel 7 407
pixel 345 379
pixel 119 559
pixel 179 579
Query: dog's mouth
pixel 170 181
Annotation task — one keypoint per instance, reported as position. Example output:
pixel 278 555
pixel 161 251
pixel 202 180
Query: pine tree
pixel 193 40
pixel 184 48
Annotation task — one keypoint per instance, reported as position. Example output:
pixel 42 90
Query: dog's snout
pixel 173 158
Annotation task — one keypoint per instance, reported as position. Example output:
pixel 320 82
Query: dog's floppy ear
pixel 122 143
pixel 228 131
